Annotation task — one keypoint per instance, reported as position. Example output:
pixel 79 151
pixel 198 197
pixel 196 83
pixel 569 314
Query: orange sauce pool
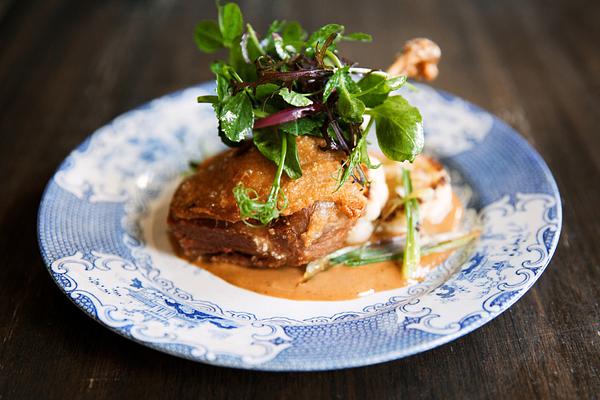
pixel 339 282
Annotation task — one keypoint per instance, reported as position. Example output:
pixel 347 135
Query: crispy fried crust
pixel 209 193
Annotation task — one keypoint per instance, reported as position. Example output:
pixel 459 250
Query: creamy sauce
pixel 338 283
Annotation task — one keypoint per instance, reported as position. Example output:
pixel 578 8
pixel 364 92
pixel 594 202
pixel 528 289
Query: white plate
pixel 102 235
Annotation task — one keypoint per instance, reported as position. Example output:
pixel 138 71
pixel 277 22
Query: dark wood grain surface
pixel 68 67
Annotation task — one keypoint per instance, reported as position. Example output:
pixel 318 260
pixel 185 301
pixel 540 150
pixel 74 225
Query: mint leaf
pixel 208 37
pixel 268 142
pixel 399 129
pixel 231 23
pixel 236 117
pixel 294 98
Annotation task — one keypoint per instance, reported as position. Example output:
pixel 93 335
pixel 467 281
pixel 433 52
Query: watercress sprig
pixel 301 85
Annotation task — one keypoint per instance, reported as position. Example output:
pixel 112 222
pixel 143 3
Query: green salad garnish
pixel 273 88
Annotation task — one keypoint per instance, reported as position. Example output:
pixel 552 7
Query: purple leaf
pixel 287 115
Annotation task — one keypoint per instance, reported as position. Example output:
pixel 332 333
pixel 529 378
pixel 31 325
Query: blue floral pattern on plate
pixel 102 234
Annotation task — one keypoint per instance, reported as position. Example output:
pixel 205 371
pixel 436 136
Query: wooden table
pixel 68 67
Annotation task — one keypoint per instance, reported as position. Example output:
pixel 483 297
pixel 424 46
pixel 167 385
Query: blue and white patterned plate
pixel 102 234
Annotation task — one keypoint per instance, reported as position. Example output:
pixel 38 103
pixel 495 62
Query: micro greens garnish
pixel 300 84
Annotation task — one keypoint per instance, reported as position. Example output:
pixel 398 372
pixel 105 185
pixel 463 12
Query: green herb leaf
pixel 375 88
pixel 321 35
pixel 265 90
pixel 352 162
pixel 247 71
pixel 347 168
pixel 333 83
pixel 358 37
pixel 208 37
pixel 365 159
pixel 231 23
pixel 350 108
pixel 340 80
pixel 223 74
pixel 268 142
pixel 292 166
pixel 292 31
pixel 276 26
pixel 251 47
pixel 396 82
pixel 280 47
pixel 295 98
pixel 268 43
pixel 399 129
pixel 208 99
pixel 293 35
pixel 364 153
pixel 237 117
pixel 306 126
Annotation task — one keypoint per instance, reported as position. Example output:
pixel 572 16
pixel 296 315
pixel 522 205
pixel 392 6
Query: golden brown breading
pixel 209 193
